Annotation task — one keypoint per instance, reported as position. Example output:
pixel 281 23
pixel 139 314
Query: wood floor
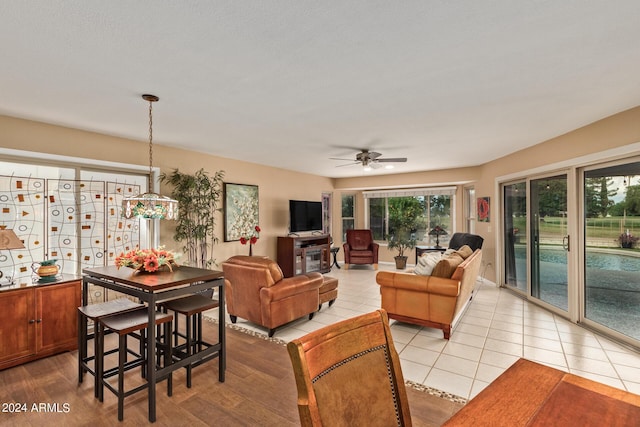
pixel 259 391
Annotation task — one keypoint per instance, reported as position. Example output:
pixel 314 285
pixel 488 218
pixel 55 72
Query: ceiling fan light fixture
pixel 150 205
pixel 388 166
pixel 367 168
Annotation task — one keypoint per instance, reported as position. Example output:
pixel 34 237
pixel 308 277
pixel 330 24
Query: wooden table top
pixel 531 394
pixel 153 281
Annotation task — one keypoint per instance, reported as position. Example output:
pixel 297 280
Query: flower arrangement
pixel 627 240
pixel 149 260
pixel 251 238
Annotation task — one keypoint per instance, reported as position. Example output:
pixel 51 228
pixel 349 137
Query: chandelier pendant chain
pixel 150 205
pixel 150 139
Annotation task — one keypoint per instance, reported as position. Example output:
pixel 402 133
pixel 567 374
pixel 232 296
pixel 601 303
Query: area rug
pixel 416 386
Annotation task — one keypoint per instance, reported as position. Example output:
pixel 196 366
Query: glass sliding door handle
pixel 566 243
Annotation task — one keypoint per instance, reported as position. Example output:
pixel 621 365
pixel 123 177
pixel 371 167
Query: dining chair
pixel 349 374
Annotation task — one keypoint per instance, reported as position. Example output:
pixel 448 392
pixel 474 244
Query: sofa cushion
pixel 426 263
pixel 447 266
pixel 465 251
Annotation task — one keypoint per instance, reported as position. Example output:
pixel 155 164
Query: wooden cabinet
pixel 38 321
pixel 304 254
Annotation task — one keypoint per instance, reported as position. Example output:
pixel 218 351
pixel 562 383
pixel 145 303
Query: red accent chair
pixel 360 248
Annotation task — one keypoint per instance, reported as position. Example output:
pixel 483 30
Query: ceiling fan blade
pixel 346 160
pixel 373 155
pixel 392 159
pixel 348 164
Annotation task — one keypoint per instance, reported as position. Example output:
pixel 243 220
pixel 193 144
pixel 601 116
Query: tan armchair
pixel 349 374
pixel 360 248
pixel 256 290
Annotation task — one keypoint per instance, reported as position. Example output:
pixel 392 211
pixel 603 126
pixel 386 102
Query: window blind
pixel 410 192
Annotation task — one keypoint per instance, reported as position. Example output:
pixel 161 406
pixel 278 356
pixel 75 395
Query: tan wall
pixel 612 132
pixel 276 186
pixel 609 133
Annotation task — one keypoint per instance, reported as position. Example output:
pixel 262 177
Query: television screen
pixel 305 216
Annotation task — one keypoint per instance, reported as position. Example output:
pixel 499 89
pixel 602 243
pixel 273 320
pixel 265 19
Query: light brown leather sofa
pixel 429 300
pixel 256 290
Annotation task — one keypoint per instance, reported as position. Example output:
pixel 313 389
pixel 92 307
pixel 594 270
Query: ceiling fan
pixel 370 160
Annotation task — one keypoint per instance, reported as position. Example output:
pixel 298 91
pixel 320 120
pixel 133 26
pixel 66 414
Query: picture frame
pixel 483 208
pixel 241 210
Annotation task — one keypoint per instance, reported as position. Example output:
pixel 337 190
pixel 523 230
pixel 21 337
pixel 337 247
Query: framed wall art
pixel 241 213
pixel 484 209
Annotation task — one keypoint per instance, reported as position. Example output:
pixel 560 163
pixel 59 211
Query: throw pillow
pixel 447 266
pixel 465 251
pixel 426 263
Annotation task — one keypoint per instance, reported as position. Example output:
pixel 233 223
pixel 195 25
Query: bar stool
pixel 95 312
pixel 126 325
pixel 191 307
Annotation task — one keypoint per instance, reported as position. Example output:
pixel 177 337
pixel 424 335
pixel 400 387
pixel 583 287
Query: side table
pixel 335 251
pixel 424 249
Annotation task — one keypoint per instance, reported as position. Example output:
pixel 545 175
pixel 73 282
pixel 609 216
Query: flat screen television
pixel 305 216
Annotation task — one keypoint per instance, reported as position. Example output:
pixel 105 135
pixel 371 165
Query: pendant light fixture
pixel 150 205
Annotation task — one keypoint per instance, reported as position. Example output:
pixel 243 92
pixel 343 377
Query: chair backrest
pixel 472 240
pixel 269 271
pixel 359 240
pixel 349 374
pixel 244 277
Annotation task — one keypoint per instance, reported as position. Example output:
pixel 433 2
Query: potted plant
pixel 405 217
pixel 402 240
pixel 199 196
pixel 627 240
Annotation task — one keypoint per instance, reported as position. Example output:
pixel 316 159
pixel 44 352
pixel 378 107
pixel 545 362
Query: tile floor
pixel 496 329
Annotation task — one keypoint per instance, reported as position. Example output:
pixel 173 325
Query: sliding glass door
pixel 572 243
pixel 611 247
pixel 549 241
pixel 515 235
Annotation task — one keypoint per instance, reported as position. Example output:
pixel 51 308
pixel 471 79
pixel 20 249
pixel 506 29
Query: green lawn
pixel 604 230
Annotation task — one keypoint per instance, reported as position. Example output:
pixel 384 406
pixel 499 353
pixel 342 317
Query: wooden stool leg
pixel 98 336
pixel 168 356
pixel 188 348
pixel 122 360
pixel 82 349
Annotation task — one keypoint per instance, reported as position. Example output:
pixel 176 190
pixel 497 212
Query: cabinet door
pixel 17 316
pixel 326 259
pixel 57 322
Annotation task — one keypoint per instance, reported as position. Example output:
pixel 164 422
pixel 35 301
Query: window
pixel 327 205
pixel 470 210
pixel 421 209
pixel 348 214
pixel 69 214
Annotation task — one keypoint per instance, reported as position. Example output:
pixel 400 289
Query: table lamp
pixel 8 241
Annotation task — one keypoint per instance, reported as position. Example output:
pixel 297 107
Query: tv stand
pixel 304 254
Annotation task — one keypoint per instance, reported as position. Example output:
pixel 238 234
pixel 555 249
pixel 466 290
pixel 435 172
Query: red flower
pixel 258 228
pixel 151 264
pixel 243 240
pixel 253 240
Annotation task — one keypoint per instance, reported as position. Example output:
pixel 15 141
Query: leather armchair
pixel 360 248
pixel 256 290
pixel 472 240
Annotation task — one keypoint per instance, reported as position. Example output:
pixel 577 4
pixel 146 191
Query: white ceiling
pixel 292 83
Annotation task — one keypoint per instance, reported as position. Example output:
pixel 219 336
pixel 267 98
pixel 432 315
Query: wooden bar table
pixel 152 288
pixel 530 394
